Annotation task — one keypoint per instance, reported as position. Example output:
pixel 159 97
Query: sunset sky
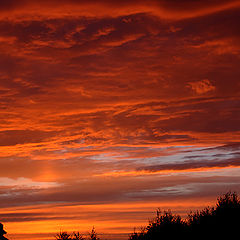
pixel 111 109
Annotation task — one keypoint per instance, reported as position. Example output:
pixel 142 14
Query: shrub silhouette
pixel 63 236
pixel 218 221
pixel 211 222
pixel 76 236
pixel 93 235
pixel 164 225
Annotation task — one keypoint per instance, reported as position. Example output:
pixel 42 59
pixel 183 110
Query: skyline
pixel 109 110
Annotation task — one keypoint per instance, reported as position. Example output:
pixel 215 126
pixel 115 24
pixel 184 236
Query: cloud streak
pixel 164 9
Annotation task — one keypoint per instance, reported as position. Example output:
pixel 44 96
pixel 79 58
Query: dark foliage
pixel 164 225
pixel 93 235
pixel 77 236
pixel 211 222
pixel 2 232
pixel 63 236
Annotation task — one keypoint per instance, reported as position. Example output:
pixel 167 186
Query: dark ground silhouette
pixel 218 222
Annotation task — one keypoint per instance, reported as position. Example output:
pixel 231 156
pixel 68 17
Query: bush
pixel 63 236
pixel 211 222
pixel 77 236
pixel 163 226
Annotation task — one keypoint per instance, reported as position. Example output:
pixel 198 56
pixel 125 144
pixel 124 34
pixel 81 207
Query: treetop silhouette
pixel 213 222
pixel 210 223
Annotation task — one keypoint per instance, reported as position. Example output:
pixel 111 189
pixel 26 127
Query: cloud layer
pixel 115 105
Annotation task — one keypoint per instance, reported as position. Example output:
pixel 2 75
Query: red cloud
pixel 201 87
pixel 162 8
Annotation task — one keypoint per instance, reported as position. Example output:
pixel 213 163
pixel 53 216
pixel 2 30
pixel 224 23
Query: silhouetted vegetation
pixel 2 232
pixel 211 222
pixel 63 236
pixel 164 225
pixel 77 236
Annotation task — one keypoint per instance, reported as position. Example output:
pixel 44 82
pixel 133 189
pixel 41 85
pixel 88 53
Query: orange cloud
pixel 161 8
pixel 201 87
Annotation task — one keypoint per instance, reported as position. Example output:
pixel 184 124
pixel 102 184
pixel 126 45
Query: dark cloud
pixel 11 4
pixel 38 216
pixel 14 137
pixel 164 9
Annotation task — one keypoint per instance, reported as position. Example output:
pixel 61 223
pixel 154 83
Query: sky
pixel 112 109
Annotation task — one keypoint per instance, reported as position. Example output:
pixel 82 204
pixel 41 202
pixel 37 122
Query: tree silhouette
pixel 163 226
pixel 211 222
pixel 93 235
pixel 216 221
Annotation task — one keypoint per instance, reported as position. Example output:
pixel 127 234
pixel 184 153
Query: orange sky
pixel 111 109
